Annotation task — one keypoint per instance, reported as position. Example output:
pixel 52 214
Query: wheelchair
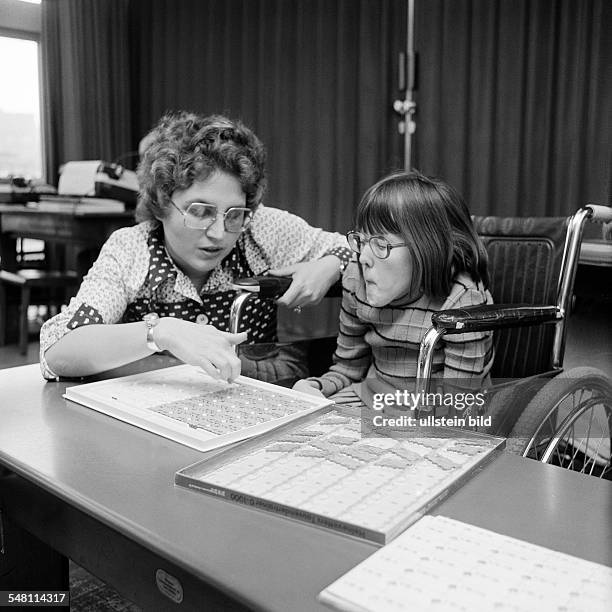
pixel 546 413
pixel 556 416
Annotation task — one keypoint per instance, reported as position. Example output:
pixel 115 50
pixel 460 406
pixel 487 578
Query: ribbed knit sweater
pixel 386 340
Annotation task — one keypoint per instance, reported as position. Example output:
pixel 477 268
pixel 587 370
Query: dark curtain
pixel 314 78
pixel 86 84
pixel 514 103
pixel 513 106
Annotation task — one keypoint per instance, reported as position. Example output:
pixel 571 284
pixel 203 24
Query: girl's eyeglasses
pixel 379 245
pixel 199 215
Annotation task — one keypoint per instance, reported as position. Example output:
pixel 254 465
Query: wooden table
pixel 78 235
pixel 100 491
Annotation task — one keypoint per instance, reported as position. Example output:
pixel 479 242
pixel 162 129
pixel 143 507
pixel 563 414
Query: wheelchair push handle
pixel 600 213
pixel 270 287
pixel 264 286
pixel 275 286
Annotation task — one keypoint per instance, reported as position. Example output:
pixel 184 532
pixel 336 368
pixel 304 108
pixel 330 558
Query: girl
pixel 417 253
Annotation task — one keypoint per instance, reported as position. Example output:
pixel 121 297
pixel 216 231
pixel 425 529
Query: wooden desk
pixel 102 492
pixel 82 232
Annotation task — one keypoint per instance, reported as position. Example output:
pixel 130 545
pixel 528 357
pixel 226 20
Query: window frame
pixel 34 37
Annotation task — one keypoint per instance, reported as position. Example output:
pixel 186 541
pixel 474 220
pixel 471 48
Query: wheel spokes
pixel 583 440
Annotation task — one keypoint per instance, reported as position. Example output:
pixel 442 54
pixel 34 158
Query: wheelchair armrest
pixel 493 316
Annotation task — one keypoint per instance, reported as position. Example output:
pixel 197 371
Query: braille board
pixel 184 404
pixel 323 471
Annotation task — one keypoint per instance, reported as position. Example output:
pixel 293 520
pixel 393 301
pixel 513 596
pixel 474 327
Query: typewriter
pixel 98 179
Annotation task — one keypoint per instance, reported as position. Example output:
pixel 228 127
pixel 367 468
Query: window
pixel 20 126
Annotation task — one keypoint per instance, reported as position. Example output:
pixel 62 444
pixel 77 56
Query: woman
pixel 165 284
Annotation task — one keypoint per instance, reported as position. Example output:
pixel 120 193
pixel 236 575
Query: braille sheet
pixel 440 564
pixel 184 404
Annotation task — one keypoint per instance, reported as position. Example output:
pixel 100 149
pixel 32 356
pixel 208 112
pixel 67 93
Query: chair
pixel 554 416
pixel 51 287
pixel 30 253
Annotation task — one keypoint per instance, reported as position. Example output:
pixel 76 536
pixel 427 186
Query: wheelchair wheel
pixel 508 401
pixel 569 423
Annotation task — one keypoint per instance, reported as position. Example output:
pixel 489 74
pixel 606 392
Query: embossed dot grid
pixel 443 564
pixel 229 409
pixel 221 409
pixel 370 487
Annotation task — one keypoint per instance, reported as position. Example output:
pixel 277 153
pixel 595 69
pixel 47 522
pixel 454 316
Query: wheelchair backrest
pixel 525 255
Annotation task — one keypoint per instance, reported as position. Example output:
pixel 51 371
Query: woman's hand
pixel 311 281
pixel 201 345
pixel 308 386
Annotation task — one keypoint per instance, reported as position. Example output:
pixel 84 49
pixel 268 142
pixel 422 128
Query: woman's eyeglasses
pixel 199 215
pixel 379 245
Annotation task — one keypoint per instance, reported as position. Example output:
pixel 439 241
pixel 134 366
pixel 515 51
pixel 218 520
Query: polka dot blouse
pixel 134 275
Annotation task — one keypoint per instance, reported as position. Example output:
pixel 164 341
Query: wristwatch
pixel 151 320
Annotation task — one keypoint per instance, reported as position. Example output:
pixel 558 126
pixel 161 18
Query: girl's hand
pixel 308 386
pixel 311 281
pixel 201 345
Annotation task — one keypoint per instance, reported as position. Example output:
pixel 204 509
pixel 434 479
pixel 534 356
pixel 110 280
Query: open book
pixel 184 404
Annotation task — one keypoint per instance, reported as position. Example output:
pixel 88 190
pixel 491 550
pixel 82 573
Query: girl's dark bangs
pixel 375 216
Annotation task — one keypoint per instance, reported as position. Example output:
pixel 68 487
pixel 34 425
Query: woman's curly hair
pixel 185 147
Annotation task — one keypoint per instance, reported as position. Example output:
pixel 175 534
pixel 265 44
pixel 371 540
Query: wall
pixel 20 17
pixel 514 102
pixel 314 78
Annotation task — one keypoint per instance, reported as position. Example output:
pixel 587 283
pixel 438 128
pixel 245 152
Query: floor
pixel 589 337
pixel 589 343
pixel 88 594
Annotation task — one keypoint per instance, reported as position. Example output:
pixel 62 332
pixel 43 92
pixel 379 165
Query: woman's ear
pixel 160 198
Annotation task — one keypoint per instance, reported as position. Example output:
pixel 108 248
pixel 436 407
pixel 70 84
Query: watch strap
pixel 151 320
